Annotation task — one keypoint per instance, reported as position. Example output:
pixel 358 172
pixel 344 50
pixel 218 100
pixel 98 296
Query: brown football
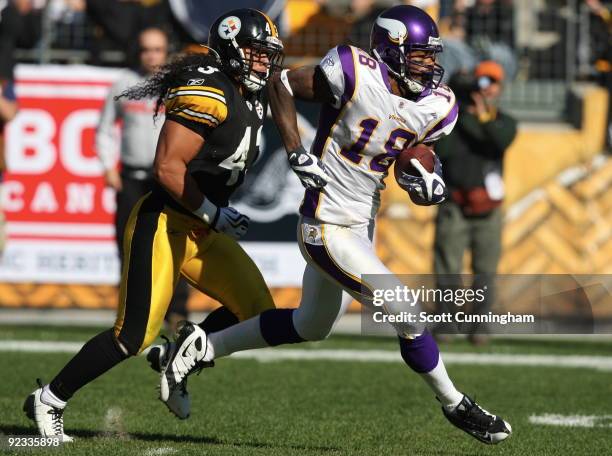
pixel 421 152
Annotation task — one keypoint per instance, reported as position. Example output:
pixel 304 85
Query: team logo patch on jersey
pixel 229 27
pixel 312 234
pixel 328 62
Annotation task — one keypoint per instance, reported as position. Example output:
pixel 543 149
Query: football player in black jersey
pixel 214 113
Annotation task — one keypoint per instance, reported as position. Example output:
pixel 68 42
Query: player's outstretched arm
pixel 305 83
pixel 309 84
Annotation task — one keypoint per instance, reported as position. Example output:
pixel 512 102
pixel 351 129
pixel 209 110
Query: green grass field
pixel 315 407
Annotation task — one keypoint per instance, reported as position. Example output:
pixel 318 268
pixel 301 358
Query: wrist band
pixel 285 80
pixel 207 212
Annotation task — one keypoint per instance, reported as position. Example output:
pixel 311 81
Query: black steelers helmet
pixel 240 38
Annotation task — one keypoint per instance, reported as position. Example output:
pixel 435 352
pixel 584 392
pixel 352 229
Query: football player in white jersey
pixel 373 105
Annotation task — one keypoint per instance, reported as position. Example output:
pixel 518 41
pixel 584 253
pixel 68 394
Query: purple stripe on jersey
pixel 310 202
pixel 423 94
pixel 450 118
pixel 385 75
pixel 348 68
pixel 327 118
pixel 321 257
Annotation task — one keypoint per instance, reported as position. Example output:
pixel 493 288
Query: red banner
pixel 59 213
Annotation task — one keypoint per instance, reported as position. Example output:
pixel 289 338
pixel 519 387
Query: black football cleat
pixel 476 421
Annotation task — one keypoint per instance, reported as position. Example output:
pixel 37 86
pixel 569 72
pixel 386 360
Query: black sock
pixel 98 355
pixel 218 319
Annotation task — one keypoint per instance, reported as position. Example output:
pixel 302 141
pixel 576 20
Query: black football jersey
pixel 209 103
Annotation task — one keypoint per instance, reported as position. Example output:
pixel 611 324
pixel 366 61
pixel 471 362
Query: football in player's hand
pixel 425 156
pixel 423 153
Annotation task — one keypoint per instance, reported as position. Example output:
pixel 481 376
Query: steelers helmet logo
pixel 229 27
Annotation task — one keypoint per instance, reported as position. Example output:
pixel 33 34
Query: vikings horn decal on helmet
pixel 400 32
pixel 243 38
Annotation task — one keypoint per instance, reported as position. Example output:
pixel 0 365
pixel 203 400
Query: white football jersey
pixel 362 132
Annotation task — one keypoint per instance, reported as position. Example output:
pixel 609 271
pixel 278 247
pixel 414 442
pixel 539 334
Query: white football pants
pixel 337 258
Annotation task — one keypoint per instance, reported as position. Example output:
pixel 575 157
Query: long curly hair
pixel 168 77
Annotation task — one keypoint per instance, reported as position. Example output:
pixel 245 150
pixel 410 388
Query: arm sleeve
pixel 200 108
pixel 106 144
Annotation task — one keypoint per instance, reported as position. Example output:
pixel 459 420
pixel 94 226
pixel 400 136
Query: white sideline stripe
pixel 603 363
pixel 587 421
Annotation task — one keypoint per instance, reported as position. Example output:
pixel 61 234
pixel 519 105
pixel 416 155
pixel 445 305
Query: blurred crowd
pixel 473 30
pixel 548 40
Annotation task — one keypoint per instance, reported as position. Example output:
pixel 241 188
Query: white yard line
pixel 603 363
pixel 587 421
pixel 349 323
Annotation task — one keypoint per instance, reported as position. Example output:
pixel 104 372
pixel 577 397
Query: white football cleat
pixel 49 420
pixel 179 402
pixel 191 353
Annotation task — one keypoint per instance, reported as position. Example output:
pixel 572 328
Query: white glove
pixel 231 222
pixel 223 219
pixel 308 167
pixel 429 187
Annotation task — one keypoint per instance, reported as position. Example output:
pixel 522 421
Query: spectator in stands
pixel 489 26
pixel 12 19
pixel 138 142
pixel 472 158
pixel 364 13
pixel 119 22
pixel 458 55
pixel 327 28
pixel 68 19
pixel 601 49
